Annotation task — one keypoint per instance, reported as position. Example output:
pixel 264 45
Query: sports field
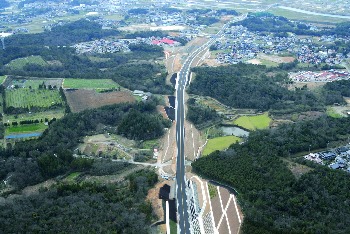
pixel 253 122
pixel 21 62
pixel 89 84
pixel 27 98
pixel 219 143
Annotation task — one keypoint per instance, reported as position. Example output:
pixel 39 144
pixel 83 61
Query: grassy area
pixel 2 79
pixel 332 113
pixel 150 144
pixel 27 98
pixel 253 122
pixel 213 192
pixel 26 128
pixel 268 63
pixel 33 116
pixel 21 62
pixel 219 143
pixel 73 176
pixel 173 227
pixel 89 84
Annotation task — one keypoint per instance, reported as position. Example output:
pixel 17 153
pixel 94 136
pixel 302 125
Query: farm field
pixel 253 122
pixel 21 62
pixel 89 84
pixel 36 83
pixel 83 99
pixel 219 143
pixel 28 98
pixel 50 114
pixel 26 128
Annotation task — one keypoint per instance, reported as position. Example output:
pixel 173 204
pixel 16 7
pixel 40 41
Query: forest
pixel 272 198
pixel 201 116
pixel 51 154
pixel 85 207
pixel 248 86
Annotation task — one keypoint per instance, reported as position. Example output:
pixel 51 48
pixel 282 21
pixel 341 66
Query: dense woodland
pixel 83 207
pixel 201 116
pixel 272 198
pixel 248 86
pixel 267 22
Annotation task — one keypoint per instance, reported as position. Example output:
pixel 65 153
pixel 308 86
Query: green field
pixel 50 114
pixel 26 128
pixel 268 63
pixel 89 84
pixel 219 143
pixel 27 98
pixel 253 122
pixel 21 62
pixel 332 113
pixel 305 17
pixel 2 79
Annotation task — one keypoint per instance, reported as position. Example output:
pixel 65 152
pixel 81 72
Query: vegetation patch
pixel 253 122
pixel 89 84
pixel 2 79
pixel 22 62
pixel 213 192
pixel 29 98
pixel 219 143
pixel 332 113
pixel 26 128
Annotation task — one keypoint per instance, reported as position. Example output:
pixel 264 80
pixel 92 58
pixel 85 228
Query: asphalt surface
pixel 182 80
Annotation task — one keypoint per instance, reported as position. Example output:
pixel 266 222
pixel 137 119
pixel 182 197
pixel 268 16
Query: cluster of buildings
pixel 239 45
pixel 324 76
pixel 102 46
pixel 338 158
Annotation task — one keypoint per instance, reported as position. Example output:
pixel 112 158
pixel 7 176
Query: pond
pixel 235 131
pixel 23 135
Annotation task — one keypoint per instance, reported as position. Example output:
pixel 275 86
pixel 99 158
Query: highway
pixel 182 79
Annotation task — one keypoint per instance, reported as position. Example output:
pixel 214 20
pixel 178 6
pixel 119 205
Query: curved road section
pixel 184 225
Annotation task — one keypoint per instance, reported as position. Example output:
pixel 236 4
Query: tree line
pixel 83 207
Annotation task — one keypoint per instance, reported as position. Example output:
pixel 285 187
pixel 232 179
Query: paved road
pixel 182 207
pixel 182 80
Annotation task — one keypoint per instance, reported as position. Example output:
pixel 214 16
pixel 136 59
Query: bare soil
pixel 83 99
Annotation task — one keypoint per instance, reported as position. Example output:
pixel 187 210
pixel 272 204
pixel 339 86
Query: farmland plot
pixel 28 98
pixel 90 84
pixel 83 99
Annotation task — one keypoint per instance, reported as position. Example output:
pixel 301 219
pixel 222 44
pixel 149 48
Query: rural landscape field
pixel 176 116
